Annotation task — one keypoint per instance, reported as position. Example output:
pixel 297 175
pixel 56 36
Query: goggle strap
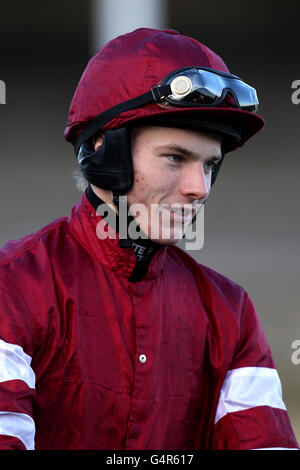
pixel 157 93
pixel 160 92
pixel 103 118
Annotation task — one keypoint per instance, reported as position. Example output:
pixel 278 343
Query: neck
pixel 144 249
pixel 105 195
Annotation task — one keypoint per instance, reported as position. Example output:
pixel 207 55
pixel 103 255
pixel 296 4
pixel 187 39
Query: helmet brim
pixel 237 124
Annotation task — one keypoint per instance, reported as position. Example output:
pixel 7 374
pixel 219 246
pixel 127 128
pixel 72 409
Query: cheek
pixel 140 175
pixel 139 190
pixel 151 181
pixel 151 187
pixel 139 182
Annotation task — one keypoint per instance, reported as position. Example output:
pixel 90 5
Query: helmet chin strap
pixel 124 242
pixel 115 200
pixel 142 244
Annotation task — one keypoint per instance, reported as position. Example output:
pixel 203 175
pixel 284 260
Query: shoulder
pixel 207 278
pixel 14 250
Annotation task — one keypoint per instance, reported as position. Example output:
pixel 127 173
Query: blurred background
pixel 252 227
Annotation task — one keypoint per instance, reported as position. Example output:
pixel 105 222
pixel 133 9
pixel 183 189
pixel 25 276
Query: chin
pixel 168 236
pixel 166 241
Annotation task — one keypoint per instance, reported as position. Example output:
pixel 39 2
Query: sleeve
pixel 250 412
pixel 17 378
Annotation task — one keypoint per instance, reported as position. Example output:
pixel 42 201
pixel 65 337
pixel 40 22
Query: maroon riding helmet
pixel 154 77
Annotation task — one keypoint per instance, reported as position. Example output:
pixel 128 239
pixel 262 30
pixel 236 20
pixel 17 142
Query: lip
pixel 181 214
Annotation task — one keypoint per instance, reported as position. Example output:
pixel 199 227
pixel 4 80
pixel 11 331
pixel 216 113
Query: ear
pixel 97 140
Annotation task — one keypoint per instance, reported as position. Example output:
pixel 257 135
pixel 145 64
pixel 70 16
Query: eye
pixel 210 165
pixel 175 158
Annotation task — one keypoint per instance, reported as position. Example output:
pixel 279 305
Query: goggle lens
pixel 198 86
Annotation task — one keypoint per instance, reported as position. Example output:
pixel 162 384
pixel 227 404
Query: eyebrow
pixel 184 151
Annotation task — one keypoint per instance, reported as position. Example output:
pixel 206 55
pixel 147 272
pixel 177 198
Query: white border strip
pixel 248 387
pixel 15 364
pixel 277 448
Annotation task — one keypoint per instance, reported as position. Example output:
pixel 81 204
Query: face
pixel 172 176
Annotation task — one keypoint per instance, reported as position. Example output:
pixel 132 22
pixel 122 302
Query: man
pixel 111 336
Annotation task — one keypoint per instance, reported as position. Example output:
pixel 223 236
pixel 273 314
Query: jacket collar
pixel 87 227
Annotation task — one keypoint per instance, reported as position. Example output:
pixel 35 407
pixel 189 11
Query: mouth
pixel 181 214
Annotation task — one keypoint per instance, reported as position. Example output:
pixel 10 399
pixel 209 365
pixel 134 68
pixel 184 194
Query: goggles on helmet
pixel 185 87
pixel 199 86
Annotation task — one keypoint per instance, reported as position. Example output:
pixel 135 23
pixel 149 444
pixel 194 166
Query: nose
pixel 195 184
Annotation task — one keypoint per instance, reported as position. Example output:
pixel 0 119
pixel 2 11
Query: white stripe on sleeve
pixel 248 387
pixel 18 425
pixel 15 364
